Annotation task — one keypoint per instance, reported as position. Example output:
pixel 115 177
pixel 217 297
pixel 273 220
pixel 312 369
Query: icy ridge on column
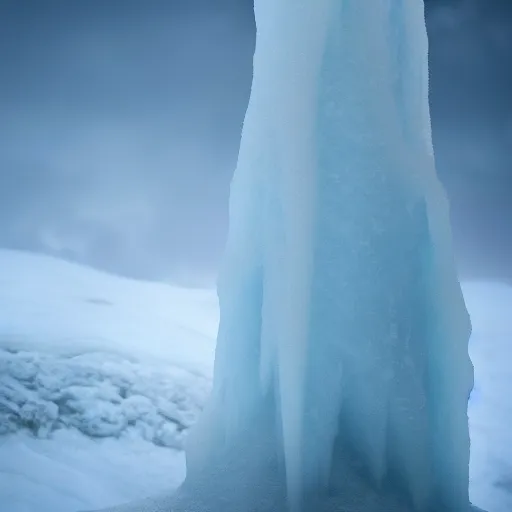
pixel 342 371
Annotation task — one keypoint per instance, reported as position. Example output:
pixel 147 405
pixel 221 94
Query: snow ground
pixel 490 407
pixel 101 377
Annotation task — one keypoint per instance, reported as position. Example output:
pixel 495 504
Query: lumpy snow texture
pixel 100 395
pixel 341 313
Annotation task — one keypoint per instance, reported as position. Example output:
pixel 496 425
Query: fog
pixel 120 122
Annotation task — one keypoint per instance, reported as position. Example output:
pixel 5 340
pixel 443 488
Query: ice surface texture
pixel 342 371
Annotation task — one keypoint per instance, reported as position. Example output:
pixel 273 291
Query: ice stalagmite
pixel 342 371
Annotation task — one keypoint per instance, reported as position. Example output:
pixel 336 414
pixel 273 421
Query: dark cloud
pixel 471 104
pixel 120 122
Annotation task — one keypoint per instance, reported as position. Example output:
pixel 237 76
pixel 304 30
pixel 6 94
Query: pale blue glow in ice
pixel 339 273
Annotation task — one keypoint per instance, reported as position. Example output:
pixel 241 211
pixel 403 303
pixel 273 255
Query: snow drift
pixel 135 360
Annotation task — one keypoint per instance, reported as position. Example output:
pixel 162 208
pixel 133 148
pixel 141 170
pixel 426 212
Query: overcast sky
pixel 120 123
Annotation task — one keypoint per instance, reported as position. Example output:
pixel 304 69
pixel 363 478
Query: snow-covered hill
pixel 61 308
pixel 101 376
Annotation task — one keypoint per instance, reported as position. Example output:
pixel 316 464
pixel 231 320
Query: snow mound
pixel 99 396
pixel 100 379
pixel 52 306
pixel 108 356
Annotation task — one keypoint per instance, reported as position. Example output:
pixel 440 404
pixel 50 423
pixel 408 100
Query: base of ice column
pixel 249 483
pixel 185 501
